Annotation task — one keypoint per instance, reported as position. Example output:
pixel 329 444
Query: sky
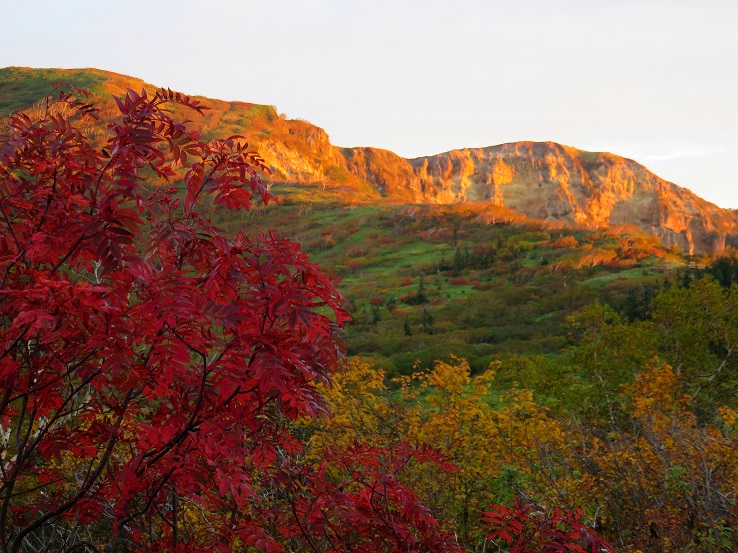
pixel 652 80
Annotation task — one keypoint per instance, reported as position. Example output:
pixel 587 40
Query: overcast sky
pixel 653 80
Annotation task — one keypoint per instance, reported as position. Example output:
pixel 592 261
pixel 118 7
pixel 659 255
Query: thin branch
pixel 90 478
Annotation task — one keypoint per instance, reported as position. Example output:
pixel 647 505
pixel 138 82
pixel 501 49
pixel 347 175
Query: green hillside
pixel 425 282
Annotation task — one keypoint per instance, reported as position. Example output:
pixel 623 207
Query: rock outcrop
pixel 551 182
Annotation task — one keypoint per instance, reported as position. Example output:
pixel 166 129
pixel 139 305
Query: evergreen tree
pixel 427 320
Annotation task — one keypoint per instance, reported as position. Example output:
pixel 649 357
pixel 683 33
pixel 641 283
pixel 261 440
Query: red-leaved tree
pixel 530 528
pixel 150 364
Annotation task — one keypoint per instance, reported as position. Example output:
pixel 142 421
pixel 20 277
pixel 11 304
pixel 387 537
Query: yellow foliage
pixel 670 473
pixel 358 411
pixel 729 415
pixel 654 389
pixel 660 475
pixel 484 434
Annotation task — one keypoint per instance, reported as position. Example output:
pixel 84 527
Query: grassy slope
pixel 21 87
pixel 513 301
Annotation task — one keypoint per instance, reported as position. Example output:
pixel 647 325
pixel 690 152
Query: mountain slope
pixel 545 181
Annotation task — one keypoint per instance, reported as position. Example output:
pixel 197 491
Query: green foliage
pixel 588 158
pixel 504 289
pixel 724 270
pixel 698 332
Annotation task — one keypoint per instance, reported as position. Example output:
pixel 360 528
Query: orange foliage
pixel 565 242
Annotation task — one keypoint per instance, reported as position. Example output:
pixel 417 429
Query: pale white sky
pixel 653 80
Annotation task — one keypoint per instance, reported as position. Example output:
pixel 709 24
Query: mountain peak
pixel 541 180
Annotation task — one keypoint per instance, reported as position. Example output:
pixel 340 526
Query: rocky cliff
pixel 542 180
pixel 552 182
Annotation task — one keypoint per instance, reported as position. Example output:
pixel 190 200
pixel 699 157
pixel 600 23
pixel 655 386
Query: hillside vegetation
pixel 552 380
pixel 473 279
pixel 425 282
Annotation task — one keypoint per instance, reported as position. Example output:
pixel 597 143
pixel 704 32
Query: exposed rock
pixel 391 175
pixel 555 183
pixel 552 182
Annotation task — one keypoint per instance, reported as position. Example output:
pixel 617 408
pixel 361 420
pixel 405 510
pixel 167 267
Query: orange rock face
pixel 541 180
pixel 551 182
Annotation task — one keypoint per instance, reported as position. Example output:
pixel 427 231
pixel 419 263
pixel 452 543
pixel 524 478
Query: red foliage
pixel 366 499
pixel 529 528
pixel 148 362
pixel 460 281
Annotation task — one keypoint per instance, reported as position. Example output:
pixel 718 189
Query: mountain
pixel 541 180
pixel 551 182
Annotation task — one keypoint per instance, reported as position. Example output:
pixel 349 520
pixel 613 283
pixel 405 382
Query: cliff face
pixel 541 180
pixel 551 182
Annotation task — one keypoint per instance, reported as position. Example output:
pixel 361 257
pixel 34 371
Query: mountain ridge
pixel 541 180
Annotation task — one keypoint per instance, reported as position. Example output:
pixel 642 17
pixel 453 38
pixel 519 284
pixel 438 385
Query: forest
pixel 194 361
